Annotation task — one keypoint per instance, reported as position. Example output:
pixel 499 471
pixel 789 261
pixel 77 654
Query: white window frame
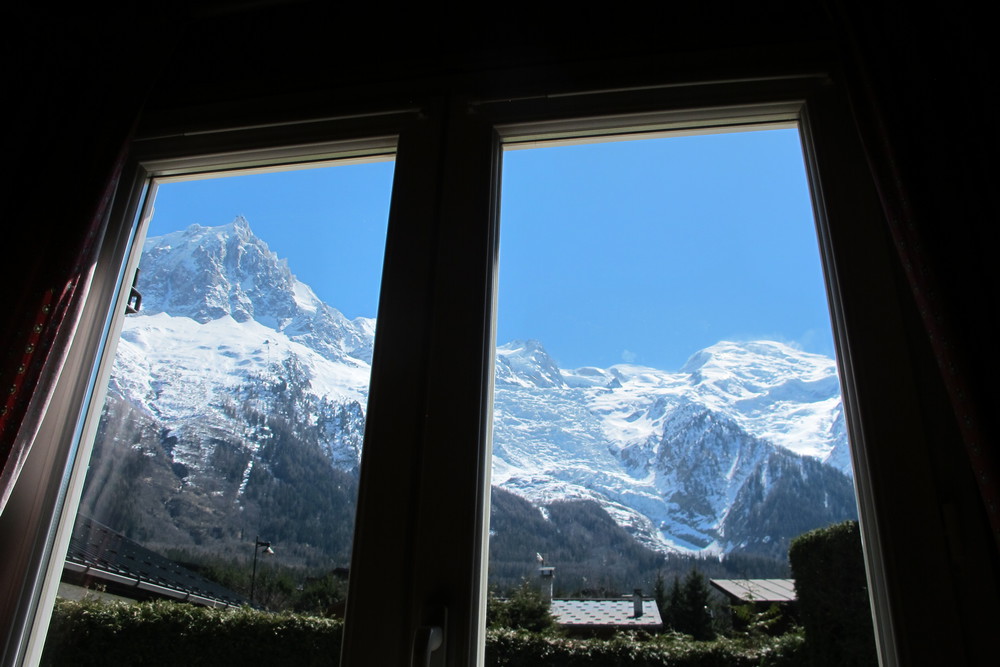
pixel 420 544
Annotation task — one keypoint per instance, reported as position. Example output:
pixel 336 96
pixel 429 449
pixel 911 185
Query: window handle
pixel 430 638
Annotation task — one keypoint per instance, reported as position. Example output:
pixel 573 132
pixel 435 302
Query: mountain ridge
pixel 234 361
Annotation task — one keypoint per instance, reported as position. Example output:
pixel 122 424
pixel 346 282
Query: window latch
pixel 134 301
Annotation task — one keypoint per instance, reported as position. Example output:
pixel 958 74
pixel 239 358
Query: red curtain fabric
pixel 38 345
pixel 74 86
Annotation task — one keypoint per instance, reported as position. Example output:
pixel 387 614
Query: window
pixel 448 432
pixel 426 461
pixel 235 408
pixel 649 287
pixel 121 254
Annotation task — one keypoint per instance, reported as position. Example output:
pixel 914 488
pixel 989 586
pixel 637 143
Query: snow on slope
pixel 665 453
pixel 776 392
pixel 220 312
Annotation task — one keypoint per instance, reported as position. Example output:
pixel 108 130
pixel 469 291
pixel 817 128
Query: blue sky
pixel 640 251
pixel 648 251
pixel 329 222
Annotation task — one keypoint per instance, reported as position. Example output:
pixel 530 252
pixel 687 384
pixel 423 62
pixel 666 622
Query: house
pixel 102 561
pixel 600 617
pixel 761 593
pixel 894 102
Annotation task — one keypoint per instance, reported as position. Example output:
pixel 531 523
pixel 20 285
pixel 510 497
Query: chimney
pixel 637 602
pixel 546 575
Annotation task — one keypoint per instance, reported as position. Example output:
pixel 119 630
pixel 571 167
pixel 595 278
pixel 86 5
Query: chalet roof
pixel 613 612
pixel 757 590
pixel 98 552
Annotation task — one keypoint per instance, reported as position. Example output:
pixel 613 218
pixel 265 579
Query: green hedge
pixel 167 633
pixel 832 591
pixel 518 648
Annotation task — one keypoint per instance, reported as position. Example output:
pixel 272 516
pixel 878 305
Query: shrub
pixel 525 609
pixel 169 633
pixel 832 591
pixel 96 633
pixel 517 648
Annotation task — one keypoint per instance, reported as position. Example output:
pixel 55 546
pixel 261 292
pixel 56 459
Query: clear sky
pixel 639 251
pixel 648 251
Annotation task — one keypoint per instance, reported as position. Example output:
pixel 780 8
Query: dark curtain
pixel 73 88
pixel 918 78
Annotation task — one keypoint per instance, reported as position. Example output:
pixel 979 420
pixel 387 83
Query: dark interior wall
pixel 919 81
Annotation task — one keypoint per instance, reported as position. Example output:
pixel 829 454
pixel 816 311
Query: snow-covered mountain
pixel 670 454
pixel 236 378
pixel 205 273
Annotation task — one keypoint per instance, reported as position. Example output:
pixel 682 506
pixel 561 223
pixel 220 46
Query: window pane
pixel 666 397
pixel 225 469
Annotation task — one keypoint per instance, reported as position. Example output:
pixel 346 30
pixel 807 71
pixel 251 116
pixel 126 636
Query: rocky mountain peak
pixel 526 363
pixel 206 273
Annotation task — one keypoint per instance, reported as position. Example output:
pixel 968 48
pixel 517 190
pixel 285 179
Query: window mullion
pixel 451 554
pixel 418 555
pixel 379 597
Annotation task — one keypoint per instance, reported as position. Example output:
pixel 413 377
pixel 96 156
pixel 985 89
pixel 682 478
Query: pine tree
pixel 660 595
pixel 695 620
pixel 675 608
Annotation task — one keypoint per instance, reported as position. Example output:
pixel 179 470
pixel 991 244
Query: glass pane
pixel 667 407
pixel 225 469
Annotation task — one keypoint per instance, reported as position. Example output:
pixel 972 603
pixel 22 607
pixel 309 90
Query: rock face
pixel 205 273
pixel 237 403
